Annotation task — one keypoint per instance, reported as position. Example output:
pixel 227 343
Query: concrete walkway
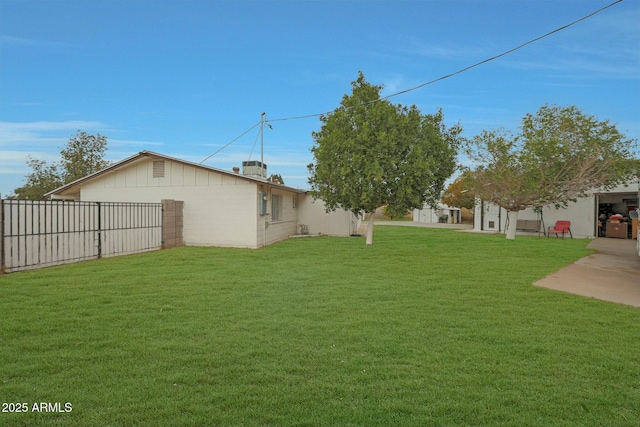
pixel 610 274
pixel 364 225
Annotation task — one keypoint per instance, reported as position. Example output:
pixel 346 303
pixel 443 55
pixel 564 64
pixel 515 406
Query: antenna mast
pixel 262 120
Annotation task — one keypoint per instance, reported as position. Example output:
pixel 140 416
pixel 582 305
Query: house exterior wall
pixel 488 217
pixel 219 210
pixel 270 230
pixel 338 223
pixel 629 187
pixel 581 213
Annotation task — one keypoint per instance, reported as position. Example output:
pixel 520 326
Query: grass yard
pixel 427 327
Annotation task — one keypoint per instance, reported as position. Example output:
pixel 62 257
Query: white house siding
pixel 338 223
pixel 581 214
pixel 489 217
pixel 425 215
pixel 270 230
pixel 208 198
pixel 429 215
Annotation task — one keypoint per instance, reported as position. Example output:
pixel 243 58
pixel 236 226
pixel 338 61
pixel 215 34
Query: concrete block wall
pixel 172 223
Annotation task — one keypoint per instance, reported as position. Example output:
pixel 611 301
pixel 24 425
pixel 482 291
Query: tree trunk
pixel 370 228
pixel 513 224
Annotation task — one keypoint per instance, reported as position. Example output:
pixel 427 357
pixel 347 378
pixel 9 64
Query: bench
pixel 531 225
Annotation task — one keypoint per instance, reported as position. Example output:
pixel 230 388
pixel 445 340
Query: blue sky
pixel 184 78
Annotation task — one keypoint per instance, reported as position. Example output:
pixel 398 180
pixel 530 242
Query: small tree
pixel 82 156
pixel 276 179
pixel 370 153
pixel 459 193
pixel 560 155
pixel 41 180
pixel 386 211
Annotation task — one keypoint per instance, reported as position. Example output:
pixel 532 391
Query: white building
pixel 221 208
pixel 588 215
pixel 443 213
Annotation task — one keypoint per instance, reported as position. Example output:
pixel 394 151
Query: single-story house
pixel 589 215
pixel 442 213
pixel 220 208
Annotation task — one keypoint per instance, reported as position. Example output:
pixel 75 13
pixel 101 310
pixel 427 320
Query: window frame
pixel 276 207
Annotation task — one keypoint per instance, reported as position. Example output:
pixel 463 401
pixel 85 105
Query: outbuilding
pixel 220 208
pixel 590 216
pixel 440 214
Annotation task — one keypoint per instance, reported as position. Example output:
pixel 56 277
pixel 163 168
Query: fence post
pixel 3 264
pixel 99 231
pixel 172 223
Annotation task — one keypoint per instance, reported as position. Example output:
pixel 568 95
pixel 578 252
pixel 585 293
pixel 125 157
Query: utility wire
pixel 470 66
pixel 493 58
pixel 255 141
pixel 243 134
pixel 503 53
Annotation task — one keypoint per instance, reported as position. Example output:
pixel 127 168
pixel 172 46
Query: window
pixel 295 201
pixel 158 168
pixel 262 203
pixel 276 208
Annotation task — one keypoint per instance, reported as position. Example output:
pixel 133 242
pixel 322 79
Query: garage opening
pixel 617 215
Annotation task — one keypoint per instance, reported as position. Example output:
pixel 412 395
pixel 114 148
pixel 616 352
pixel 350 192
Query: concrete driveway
pixel 610 274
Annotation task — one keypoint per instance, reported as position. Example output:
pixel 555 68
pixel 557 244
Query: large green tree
pixel 559 155
pixel 370 153
pixel 83 155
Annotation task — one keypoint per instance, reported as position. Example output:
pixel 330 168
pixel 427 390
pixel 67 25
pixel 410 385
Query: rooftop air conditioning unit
pixel 255 169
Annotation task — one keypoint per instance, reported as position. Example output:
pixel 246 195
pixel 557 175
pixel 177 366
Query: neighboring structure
pixel 589 216
pixel 443 214
pixel 221 208
pixel 638 237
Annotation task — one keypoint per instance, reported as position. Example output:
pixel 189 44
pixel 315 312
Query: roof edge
pixel 152 154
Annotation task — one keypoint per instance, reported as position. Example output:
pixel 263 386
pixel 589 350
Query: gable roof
pixel 144 155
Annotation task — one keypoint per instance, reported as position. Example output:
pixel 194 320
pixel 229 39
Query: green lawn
pixel 426 327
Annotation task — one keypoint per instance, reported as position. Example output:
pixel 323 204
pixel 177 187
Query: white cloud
pixel 112 142
pixel 41 133
pixel 17 156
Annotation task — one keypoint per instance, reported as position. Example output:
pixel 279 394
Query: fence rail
pixel 44 233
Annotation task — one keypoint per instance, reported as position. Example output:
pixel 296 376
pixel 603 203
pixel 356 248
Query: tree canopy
pixel 370 153
pixel 82 156
pixel 559 155
pixel 459 193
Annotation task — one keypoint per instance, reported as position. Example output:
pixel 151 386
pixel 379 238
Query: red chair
pixel 560 227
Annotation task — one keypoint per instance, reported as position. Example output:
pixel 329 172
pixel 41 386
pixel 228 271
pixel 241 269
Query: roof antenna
pixel 262 122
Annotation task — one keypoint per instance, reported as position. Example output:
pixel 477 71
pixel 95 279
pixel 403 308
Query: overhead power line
pixel 493 58
pixel 462 70
pixel 231 142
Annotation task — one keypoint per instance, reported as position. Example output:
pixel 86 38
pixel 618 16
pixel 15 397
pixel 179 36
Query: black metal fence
pixel 38 234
